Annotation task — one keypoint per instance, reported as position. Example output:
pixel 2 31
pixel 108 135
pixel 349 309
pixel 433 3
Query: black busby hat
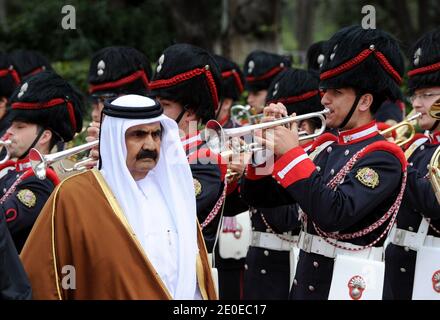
pixel 316 56
pixel 424 69
pixel 297 89
pixel 28 63
pixel 232 78
pixel 50 101
pixel 367 60
pixel 9 78
pixel 261 67
pixel 119 70
pixel 189 75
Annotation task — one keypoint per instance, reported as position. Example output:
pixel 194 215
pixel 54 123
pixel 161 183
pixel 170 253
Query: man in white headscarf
pixel 129 230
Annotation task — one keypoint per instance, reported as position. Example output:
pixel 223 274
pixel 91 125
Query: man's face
pixel 21 134
pixel 143 148
pixel 339 102
pixel 257 100
pixel 171 109
pixel 422 100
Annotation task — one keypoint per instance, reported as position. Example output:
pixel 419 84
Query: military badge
pixel 27 197
pixel 356 287
pixel 436 281
pixel 197 187
pixel 368 177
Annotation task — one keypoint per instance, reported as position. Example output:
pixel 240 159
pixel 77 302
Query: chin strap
pixel 352 110
pixel 435 126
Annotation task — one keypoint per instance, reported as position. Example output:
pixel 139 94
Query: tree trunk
pixel 305 17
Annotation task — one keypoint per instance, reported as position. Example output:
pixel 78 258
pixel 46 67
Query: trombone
pixel 5 144
pixel 215 136
pixel 40 162
pixel 404 126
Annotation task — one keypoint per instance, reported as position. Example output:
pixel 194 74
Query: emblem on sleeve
pixel 27 197
pixel 368 177
pixel 436 281
pixel 197 187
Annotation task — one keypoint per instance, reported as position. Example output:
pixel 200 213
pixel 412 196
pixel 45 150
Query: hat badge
pixel 332 56
pixel 160 63
pixel 356 287
pixel 320 60
pixel 23 89
pixel 417 56
pixel 251 66
pixel 101 67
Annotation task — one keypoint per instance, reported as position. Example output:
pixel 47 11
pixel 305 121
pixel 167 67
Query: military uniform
pixel 419 203
pixel 412 230
pixel 349 195
pixel 49 102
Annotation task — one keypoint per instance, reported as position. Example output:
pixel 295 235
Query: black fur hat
pixel 50 101
pixel 316 56
pixel 119 70
pixel 9 78
pixel 261 67
pixel 367 60
pixel 232 78
pixel 189 75
pixel 28 63
pixel 297 89
pixel 424 68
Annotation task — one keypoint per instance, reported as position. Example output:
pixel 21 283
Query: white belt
pixel 432 241
pixel 271 241
pixel 412 240
pixel 315 244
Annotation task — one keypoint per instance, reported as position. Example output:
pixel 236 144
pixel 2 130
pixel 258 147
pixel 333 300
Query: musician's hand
pixel 280 139
pixel 93 135
pixel 93 131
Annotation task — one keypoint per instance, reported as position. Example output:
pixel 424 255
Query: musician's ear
pixel 365 102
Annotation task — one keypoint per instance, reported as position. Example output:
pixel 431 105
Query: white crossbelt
pixel 271 241
pixel 315 244
pixel 414 240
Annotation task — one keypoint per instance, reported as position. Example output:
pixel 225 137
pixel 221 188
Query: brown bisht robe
pixel 83 226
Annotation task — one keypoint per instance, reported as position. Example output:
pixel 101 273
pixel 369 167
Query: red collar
pixel 435 137
pixel 359 134
pixel 22 165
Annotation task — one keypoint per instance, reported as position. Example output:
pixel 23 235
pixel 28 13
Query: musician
pixel 260 68
pixel 350 192
pixel 45 109
pixel 418 221
pixel 9 80
pixel 270 259
pixel 130 228
pixel 187 83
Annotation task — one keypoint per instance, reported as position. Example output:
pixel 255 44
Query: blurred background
pixel 229 27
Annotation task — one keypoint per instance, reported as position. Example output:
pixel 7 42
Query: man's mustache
pixel 147 154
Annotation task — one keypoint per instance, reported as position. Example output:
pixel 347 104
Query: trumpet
pixel 5 144
pixel 40 162
pixel 404 126
pixel 215 136
pixel 434 165
pixel 243 114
